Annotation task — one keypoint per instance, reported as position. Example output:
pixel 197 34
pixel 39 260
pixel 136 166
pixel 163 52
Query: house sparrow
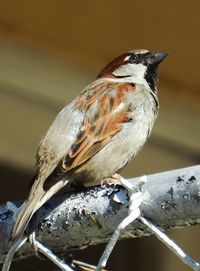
pixel 98 133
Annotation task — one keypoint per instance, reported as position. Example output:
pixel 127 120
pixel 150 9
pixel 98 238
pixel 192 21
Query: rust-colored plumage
pixel 97 128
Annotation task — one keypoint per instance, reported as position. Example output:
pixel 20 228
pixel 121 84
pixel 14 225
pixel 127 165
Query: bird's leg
pixel 136 197
pixel 114 179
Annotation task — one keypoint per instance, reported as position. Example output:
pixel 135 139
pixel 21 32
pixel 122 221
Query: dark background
pixel 50 50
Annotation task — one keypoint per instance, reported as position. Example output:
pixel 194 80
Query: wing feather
pixel 104 118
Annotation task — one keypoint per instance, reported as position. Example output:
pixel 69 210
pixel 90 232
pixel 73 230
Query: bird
pixel 97 133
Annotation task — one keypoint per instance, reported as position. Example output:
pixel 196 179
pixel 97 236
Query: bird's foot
pixel 114 179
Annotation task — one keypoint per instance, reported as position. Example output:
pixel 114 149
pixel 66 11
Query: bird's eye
pixel 133 58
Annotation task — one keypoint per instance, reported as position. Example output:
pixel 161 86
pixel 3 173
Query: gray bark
pixel 75 221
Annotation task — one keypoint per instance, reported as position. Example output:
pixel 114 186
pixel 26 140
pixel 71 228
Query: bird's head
pixel 138 67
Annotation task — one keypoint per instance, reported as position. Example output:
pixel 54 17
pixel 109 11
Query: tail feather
pixel 37 198
pixel 25 214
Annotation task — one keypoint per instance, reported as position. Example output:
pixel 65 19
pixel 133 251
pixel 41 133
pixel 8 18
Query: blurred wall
pixel 50 50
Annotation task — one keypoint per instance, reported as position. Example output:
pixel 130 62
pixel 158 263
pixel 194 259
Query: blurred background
pixel 50 50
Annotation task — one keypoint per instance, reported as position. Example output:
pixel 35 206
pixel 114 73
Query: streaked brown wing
pixel 104 118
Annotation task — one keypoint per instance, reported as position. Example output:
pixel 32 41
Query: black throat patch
pixel 151 76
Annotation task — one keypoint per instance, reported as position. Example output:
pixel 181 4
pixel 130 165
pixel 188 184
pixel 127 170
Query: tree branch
pixel 74 221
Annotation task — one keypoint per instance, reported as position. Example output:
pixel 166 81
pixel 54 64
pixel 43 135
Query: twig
pixel 136 198
pixel 44 250
pixel 171 245
pixel 11 253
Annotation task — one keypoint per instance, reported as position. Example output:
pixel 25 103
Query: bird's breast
pixel 126 143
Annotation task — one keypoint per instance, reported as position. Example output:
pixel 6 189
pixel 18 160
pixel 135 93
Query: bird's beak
pixel 155 58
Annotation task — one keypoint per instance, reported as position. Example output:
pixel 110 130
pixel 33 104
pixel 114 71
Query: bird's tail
pixel 37 197
pixel 28 208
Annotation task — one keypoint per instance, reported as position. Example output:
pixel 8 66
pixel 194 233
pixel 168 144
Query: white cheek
pixel 135 73
pixel 137 70
pixel 131 69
